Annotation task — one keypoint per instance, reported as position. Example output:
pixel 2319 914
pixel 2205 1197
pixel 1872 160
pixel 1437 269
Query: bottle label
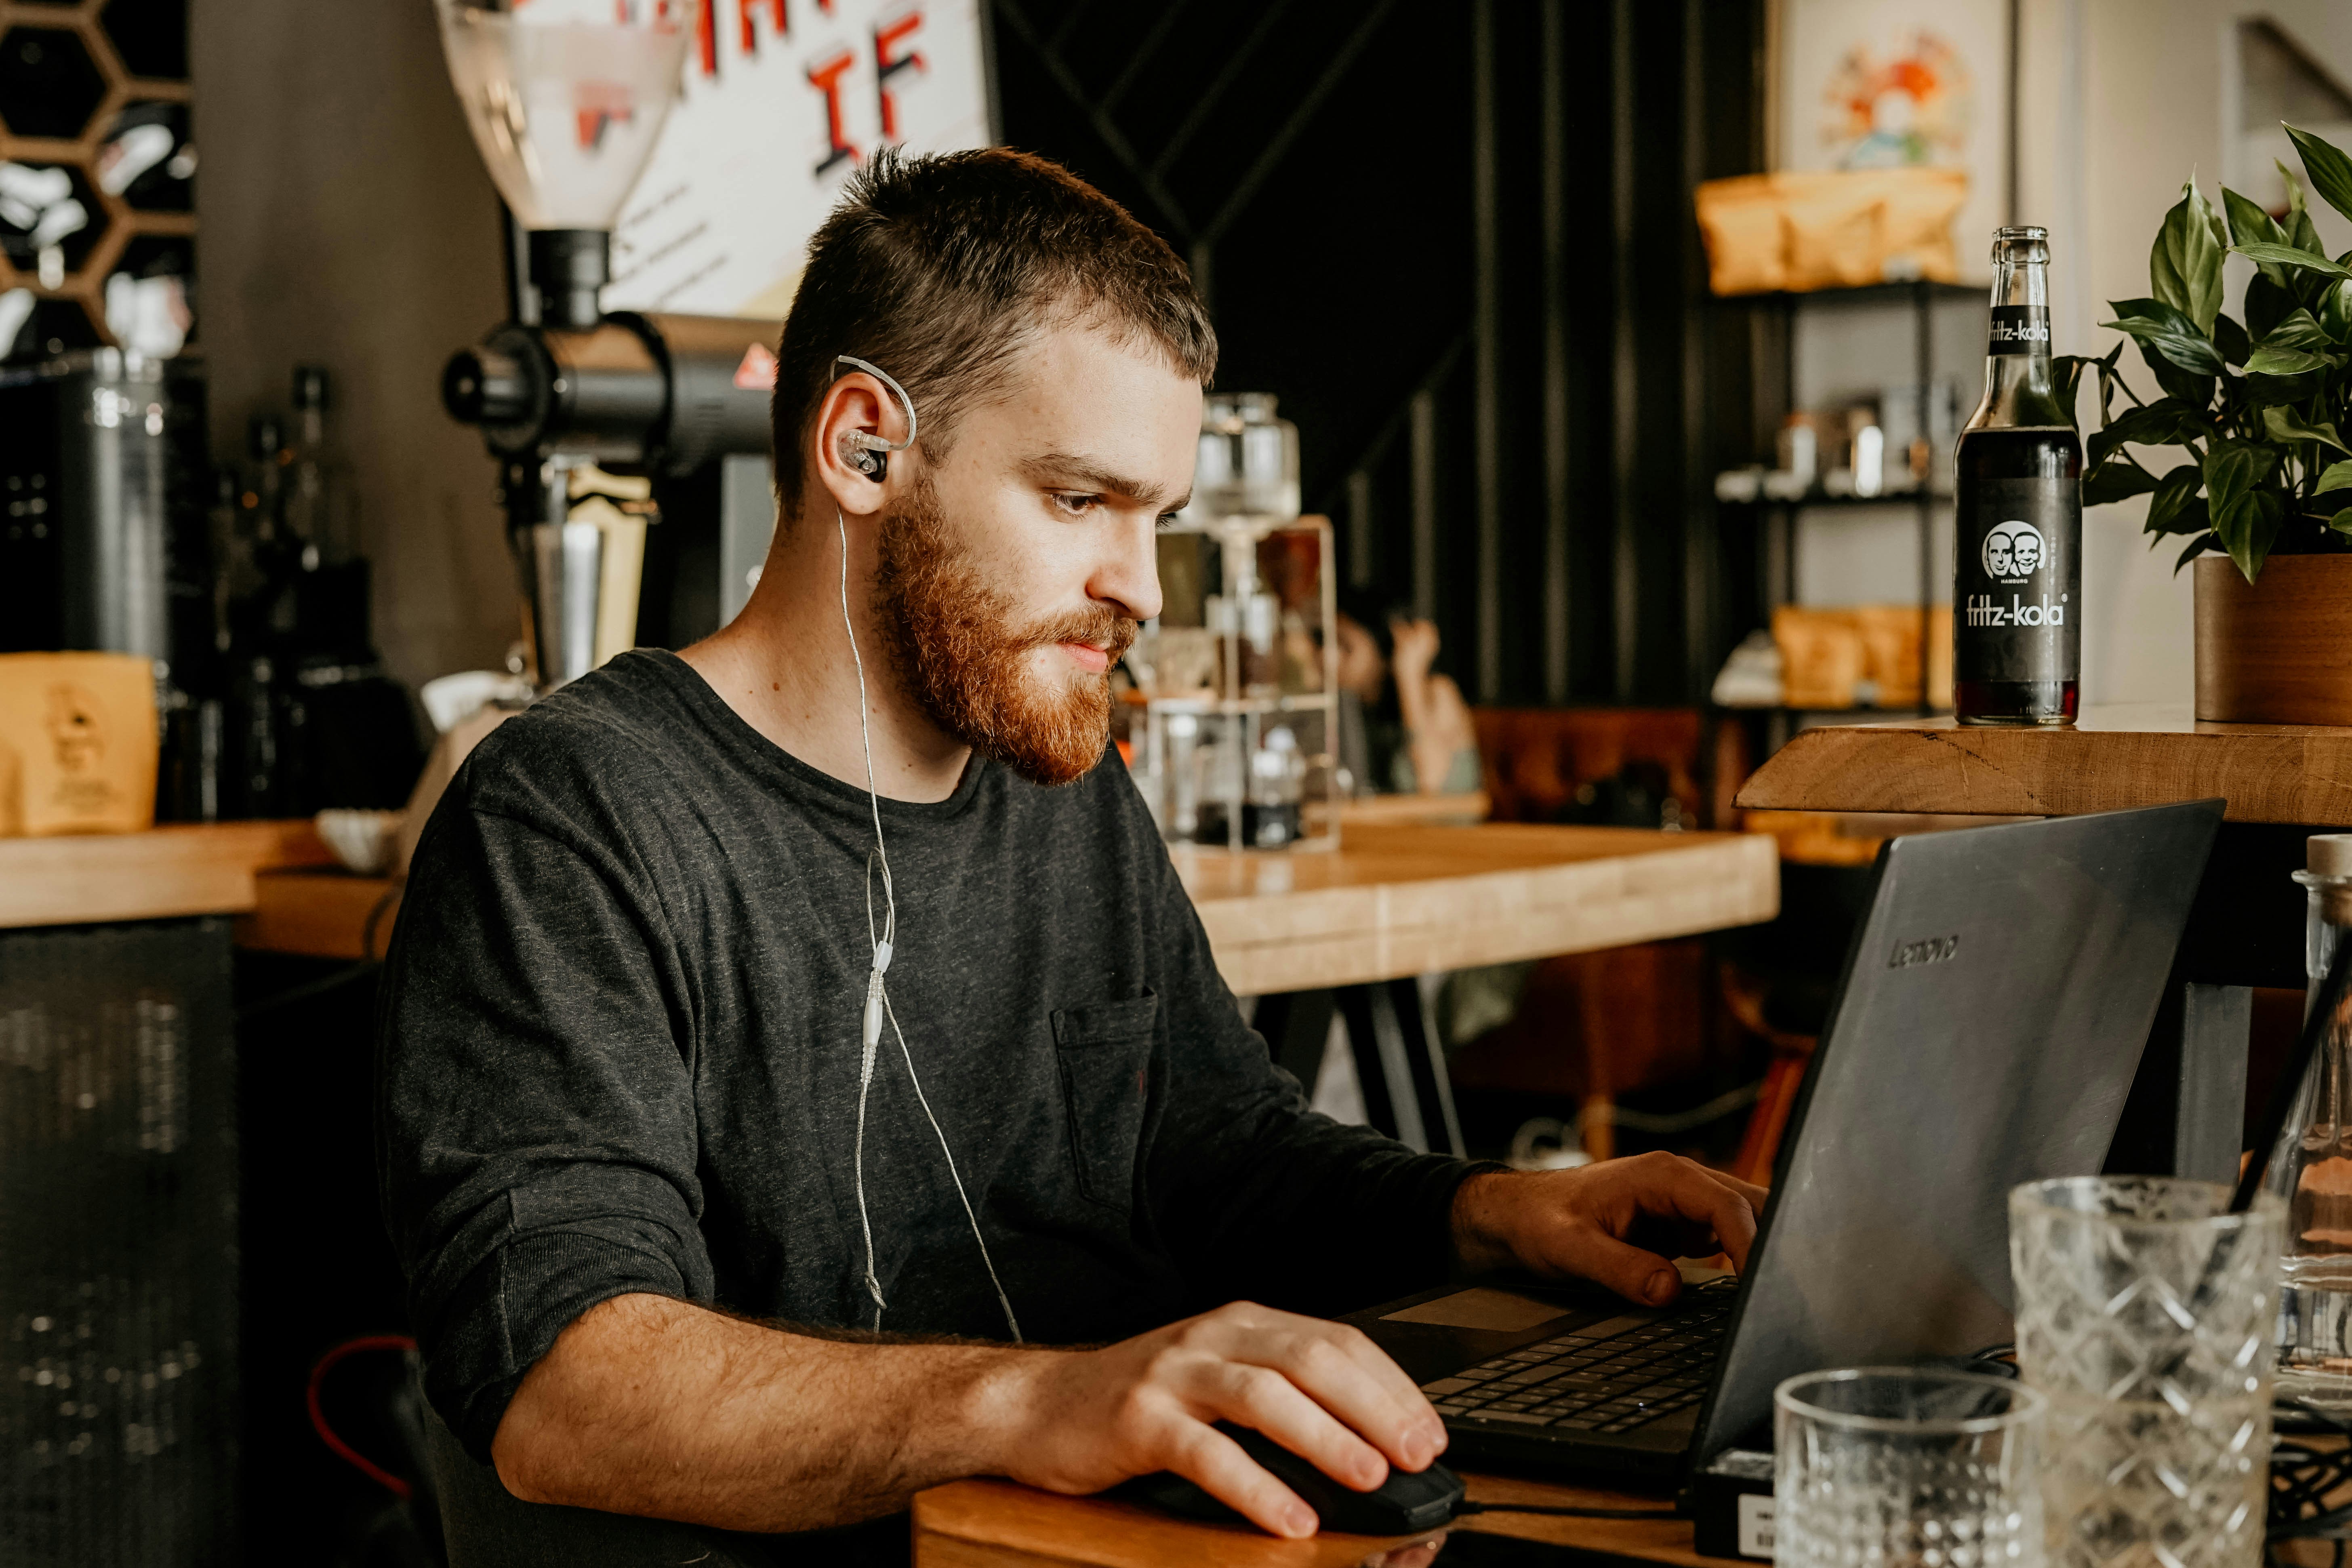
pixel 2020 329
pixel 2020 582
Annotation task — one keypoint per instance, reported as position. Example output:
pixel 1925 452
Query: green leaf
pixel 2183 344
pixel 2287 425
pixel 2294 201
pixel 2331 176
pixel 2342 522
pixel 2288 256
pixel 2297 330
pixel 2197 546
pixel 2246 520
pixel 2176 507
pixel 2250 225
pixel 2268 360
pixel 2274 389
pixel 2335 477
pixel 2301 235
pixel 2231 340
pixel 2118 479
pixel 2184 266
pixel 2163 423
pixel 2267 304
pixel 2334 312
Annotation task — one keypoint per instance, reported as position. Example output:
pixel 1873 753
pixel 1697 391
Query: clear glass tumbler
pixel 2145 1310
pixel 1906 1468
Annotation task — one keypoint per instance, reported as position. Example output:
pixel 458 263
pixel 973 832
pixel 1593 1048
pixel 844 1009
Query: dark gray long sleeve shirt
pixel 619 1049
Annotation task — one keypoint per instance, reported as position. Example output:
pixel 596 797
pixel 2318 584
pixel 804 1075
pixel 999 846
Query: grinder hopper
pixel 566 107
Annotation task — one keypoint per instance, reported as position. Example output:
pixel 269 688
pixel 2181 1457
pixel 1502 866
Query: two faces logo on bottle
pixel 2012 554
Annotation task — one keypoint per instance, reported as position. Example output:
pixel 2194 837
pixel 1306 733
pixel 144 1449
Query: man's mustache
pixel 1096 627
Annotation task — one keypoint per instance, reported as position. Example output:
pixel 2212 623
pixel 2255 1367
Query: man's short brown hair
pixel 942 268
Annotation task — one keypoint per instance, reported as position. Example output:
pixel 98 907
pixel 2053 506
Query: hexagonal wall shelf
pixel 76 77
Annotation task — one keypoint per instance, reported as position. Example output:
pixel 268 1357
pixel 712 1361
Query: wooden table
pixel 1393 902
pixel 2281 782
pixel 997 1524
pixel 2116 758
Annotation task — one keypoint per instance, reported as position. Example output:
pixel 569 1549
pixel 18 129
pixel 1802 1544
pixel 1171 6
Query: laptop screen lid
pixel 1986 1031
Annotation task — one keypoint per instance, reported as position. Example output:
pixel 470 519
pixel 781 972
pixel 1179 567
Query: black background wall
pixel 1458 244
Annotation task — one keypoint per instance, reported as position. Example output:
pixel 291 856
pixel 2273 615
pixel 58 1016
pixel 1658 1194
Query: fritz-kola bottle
pixel 2017 626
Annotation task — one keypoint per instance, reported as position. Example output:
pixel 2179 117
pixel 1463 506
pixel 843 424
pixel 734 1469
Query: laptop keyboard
pixel 1611 1377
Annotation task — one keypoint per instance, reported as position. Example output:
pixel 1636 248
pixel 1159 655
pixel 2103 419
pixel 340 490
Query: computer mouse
pixel 1407 1502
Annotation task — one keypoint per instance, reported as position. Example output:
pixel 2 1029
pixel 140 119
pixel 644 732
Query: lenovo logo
pixel 1931 949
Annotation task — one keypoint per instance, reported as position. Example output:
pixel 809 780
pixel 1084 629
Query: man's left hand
pixel 1619 1222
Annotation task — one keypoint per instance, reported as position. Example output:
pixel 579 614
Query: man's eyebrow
pixel 1069 471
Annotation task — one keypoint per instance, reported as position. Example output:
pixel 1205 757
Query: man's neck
pixel 784 666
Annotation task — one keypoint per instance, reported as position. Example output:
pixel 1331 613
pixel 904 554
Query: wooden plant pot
pixel 2278 651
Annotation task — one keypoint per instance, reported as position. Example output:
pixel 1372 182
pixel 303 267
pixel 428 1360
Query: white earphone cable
pixel 878 995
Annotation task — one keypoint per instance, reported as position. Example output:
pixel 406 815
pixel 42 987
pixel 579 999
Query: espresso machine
pixel 603 423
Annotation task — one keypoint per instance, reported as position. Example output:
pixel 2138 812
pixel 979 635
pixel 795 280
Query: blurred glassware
pixel 2310 1167
pixel 2145 1312
pixel 1906 1468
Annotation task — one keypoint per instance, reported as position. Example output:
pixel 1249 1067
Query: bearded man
pixel 668 1258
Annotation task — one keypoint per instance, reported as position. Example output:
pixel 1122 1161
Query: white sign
pixel 784 99
pixel 1876 84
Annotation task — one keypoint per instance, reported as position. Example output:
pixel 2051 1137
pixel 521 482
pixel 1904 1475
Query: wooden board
pixel 999 1524
pixel 1393 902
pixel 1406 810
pixel 2117 758
pixel 192 868
pixel 327 913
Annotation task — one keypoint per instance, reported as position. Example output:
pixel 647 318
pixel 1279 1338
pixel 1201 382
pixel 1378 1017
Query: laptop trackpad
pixel 1496 1311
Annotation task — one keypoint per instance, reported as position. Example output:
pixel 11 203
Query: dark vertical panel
pixel 1424 503
pixel 1699 557
pixel 1625 390
pixel 1486 336
pixel 1553 139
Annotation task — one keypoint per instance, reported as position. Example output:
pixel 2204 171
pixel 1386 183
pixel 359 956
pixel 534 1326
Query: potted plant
pixel 2261 406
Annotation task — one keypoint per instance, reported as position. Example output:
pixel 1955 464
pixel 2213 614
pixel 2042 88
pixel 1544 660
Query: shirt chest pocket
pixel 1104 1055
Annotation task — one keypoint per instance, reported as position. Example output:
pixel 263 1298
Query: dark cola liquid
pixel 1993 466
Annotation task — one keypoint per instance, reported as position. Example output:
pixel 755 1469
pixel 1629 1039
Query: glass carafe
pixel 2311 1164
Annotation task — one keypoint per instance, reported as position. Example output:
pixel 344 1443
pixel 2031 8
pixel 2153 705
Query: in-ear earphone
pixel 864 450
pixel 871 449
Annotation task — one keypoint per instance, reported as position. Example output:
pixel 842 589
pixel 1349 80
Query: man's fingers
pixel 1683 1189
pixel 1638 1275
pixel 1215 1463
pixel 1267 1402
pixel 1748 1190
pixel 1344 1373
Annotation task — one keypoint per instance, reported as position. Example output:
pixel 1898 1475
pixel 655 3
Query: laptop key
pixel 1448 1386
pixel 1523 1417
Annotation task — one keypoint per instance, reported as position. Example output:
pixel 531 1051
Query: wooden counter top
pixel 967 1524
pixel 193 869
pixel 2117 758
pixel 1399 900
pixel 1395 900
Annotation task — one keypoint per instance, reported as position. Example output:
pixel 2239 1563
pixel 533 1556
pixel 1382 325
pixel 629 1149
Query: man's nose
pixel 1128 574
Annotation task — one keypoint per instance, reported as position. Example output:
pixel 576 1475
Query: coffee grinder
pixel 600 421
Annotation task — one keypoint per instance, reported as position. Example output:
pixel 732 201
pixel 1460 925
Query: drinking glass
pixel 2145 1310
pixel 1906 1468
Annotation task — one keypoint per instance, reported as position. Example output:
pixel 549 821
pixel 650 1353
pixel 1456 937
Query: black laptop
pixel 1985 1033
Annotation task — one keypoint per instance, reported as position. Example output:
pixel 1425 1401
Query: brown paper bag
pixel 78 744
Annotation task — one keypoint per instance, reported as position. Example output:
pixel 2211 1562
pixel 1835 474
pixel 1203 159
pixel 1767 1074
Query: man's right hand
pixel 1083 1421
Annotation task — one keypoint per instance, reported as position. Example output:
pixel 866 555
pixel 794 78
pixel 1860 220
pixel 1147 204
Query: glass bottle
pixel 2018 573
pixel 2311 1164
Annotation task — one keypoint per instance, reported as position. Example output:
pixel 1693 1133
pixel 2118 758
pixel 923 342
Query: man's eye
pixel 1076 505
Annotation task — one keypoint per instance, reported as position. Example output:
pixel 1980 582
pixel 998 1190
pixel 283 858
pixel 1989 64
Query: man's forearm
pixel 649 1405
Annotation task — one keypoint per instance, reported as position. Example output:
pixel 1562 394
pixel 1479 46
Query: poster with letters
pixel 784 99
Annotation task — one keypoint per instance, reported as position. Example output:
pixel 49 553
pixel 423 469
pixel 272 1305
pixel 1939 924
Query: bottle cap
pixel 2329 854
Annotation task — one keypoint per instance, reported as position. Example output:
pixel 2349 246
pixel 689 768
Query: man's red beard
pixel 963 658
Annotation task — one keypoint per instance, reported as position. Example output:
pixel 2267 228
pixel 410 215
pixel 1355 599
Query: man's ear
pixel 857 405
